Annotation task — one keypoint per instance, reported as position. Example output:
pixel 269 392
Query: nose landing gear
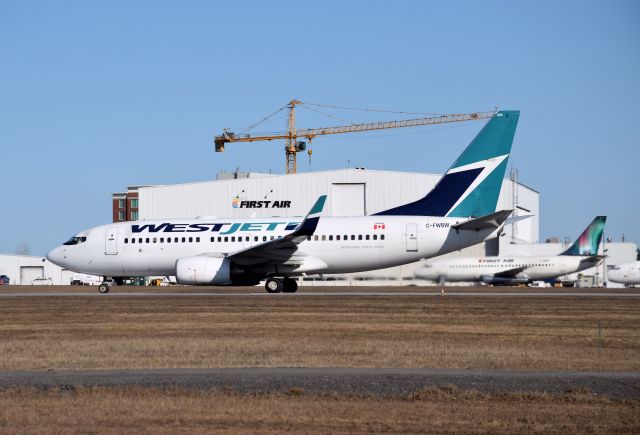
pixel 106 285
pixel 277 285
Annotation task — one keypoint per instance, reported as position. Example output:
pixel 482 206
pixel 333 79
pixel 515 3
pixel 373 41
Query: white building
pixel 351 192
pixel 29 270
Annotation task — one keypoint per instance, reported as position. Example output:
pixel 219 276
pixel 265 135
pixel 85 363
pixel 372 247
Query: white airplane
pixel 627 273
pixel 458 212
pixel 583 254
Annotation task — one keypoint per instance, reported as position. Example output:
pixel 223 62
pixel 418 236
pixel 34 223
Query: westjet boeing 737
pixel 458 212
pixel 583 254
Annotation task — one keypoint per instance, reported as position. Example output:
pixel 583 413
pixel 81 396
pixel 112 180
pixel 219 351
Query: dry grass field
pixel 443 410
pixel 319 331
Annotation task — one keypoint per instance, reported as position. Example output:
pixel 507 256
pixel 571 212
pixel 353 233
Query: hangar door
pixel 29 273
pixel 347 199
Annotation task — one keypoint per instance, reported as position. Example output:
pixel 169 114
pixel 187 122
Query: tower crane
pixel 292 135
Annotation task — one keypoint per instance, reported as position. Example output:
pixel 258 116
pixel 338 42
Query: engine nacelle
pixel 494 280
pixel 203 270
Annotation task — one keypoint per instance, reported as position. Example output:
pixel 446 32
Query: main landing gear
pixel 277 285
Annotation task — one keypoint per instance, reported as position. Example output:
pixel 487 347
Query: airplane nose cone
pixel 56 256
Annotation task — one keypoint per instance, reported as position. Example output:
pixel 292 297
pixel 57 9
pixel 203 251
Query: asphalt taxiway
pixel 383 382
pixel 328 293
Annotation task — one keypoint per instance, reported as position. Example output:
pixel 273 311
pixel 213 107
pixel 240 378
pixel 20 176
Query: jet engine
pixel 496 280
pixel 203 270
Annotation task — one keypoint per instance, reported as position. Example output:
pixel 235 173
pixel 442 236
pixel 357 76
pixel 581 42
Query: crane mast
pixel 291 136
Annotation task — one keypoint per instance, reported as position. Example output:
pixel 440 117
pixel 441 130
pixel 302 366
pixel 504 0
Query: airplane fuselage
pixel 628 273
pixel 339 244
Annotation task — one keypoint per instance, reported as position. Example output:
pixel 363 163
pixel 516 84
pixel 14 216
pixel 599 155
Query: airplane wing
pixel 510 273
pixel 282 249
pixel 493 220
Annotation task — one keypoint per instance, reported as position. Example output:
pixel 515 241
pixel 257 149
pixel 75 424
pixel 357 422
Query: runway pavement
pixel 362 381
pixel 302 293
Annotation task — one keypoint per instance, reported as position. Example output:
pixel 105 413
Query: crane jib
pixel 292 133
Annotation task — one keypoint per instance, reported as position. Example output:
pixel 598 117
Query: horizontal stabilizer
pixel 514 219
pixel 594 259
pixel 490 221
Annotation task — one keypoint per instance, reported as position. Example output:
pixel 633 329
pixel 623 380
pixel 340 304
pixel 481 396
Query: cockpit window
pixel 75 240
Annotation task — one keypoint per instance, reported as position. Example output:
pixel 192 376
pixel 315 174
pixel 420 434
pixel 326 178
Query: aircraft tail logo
pixel 472 185
pixel 589 240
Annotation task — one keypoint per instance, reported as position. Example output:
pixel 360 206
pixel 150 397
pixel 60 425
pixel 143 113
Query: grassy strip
pixel 92 410
pixel 516 333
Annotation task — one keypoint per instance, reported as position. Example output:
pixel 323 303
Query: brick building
pixel 125 205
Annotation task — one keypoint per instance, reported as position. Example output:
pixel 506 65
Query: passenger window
pixel 126 240
pixel 161 239
pixel 353 237
pixel 359 236
pixel 226 239
pixel 338 237
pixel 324 238
pixel 272 237
pixel 219 239
pixel 155 240
pixel 264 238
pixel 213 239
pixel 375 237
pixel 175 240
pixel 184 239
pixel 168 239
pixel 315 238
pixel 198 239
pixel 147 240
pixel 381 236
pixel 247 239
pixel 233 239
pixel 140 240
pixel 133 240
pixel 330 237
pixel 255 239
pixel 366 237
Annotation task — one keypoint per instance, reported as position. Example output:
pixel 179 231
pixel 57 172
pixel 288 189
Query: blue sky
pixel 95 96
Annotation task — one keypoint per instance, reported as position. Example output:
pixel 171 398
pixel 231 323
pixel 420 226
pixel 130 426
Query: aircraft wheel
pixel 290 285
pixel 274 285
pixel 104 288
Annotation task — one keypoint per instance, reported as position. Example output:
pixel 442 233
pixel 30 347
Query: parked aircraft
pixel 583 254
pixel 459 211
pixel 627 273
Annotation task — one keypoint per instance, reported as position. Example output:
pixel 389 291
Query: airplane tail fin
pixel 589 240
pixel 472 185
